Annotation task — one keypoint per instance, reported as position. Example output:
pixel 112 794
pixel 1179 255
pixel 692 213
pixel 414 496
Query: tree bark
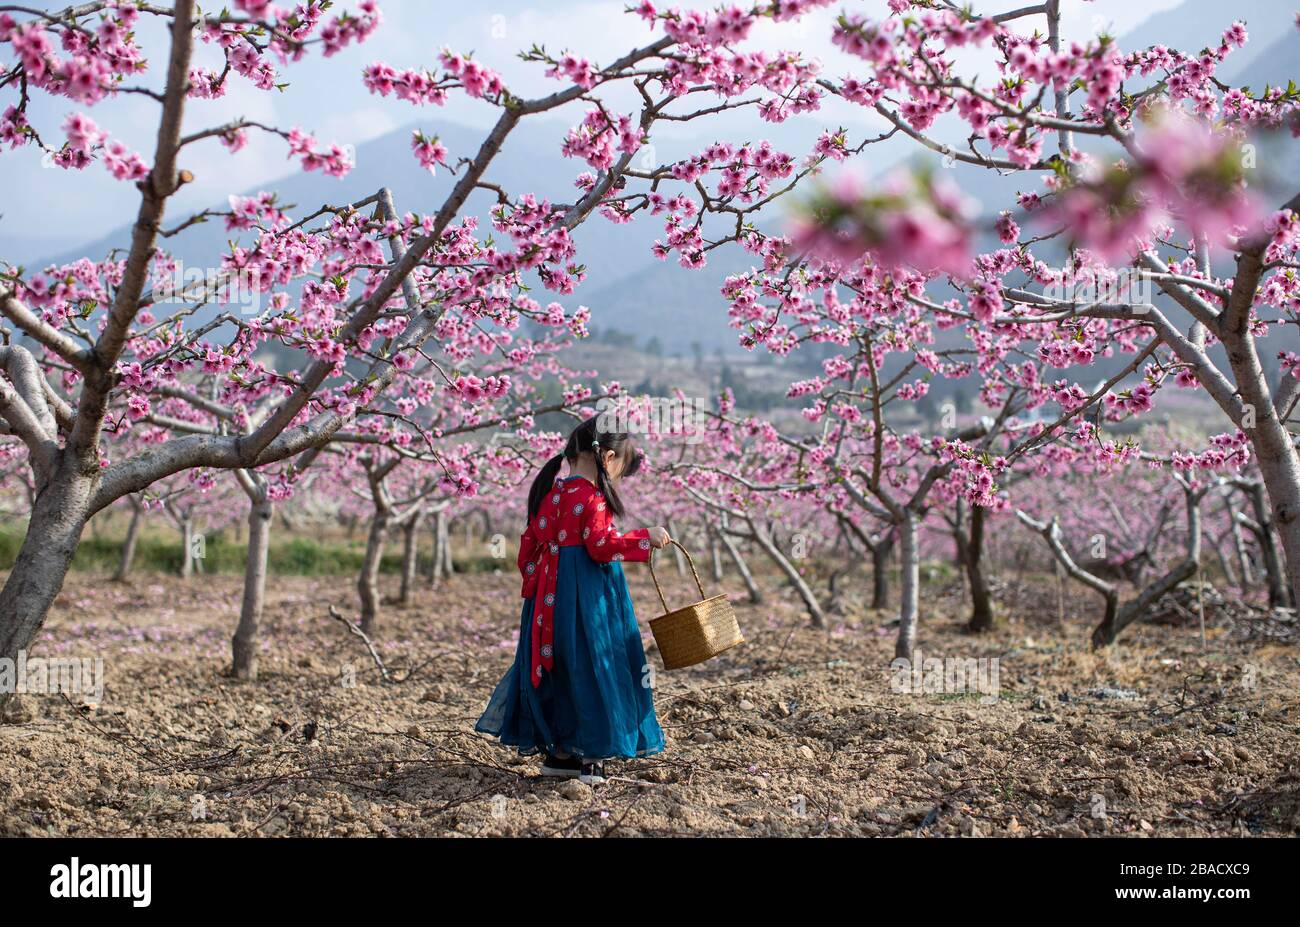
pixel 880 550
pixel 187 546
pixel 880 555
pixel 132 539
pixel 1116 621
pixel 1225 563
pixel 54 529
pixel 1117 618
pixel 715 553
pixel 755 594
pixel 410 550
pixel 368 581
pixel 1238 544
pixel 1282 478
pixel 1275 452
pixel 677 551
pixel 244 644
pixel 448 564
pixel 981 618
pixel 764 540
pixel 910 587
pixel 437 567
pixel 1279 596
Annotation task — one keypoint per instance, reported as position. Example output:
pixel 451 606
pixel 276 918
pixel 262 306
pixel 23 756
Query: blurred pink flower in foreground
pixel 913 219
pixel 1181 171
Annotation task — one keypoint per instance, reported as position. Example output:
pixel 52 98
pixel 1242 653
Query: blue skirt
pixel 597 702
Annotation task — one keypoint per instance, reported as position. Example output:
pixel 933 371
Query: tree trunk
pixel 410 550
pixel 755 595
pixel 368 582
pixel 715 553
pixel 1116 621
pixel 58 517
pixel 129 545
pixel 436 561
pixel 880 572
pixel 815 614
pixel 187 547
pixel 1238 544
pixel 448 564
pixel 910 592
pixel 244 644
pixel 677 551
pixel 981 618
pixel 1275 453
pixel 880 550
pixel 1284 490
pixel 1265 536
pixel 1225 563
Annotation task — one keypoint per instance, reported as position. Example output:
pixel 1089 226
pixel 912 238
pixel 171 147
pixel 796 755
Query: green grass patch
pixel 288 556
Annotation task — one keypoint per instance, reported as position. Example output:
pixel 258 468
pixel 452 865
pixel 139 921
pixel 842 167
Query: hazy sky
pixel 44 209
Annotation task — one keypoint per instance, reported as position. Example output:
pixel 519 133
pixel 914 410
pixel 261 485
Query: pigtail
pixel 587 438
pixel 542 484
pixel 604 484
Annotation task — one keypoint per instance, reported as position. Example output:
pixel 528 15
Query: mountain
pixel 682 309
pixel 1277 159
pixel 627 290
pixel 388 161
pixel 1197 24
pixel 27 247
pixel 1273 65
pixel 611 253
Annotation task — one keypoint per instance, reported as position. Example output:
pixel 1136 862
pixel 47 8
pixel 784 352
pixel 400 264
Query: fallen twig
pixel 370 645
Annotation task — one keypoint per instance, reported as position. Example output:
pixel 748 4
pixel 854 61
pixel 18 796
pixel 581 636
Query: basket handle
pixel 689 560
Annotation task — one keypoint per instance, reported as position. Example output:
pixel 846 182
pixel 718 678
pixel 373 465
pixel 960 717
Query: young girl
pixel 579 688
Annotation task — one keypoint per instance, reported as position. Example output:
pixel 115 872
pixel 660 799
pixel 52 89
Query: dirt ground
pixel 798 732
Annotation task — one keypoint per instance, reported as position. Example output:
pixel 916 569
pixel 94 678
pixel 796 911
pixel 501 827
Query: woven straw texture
pixel 697 632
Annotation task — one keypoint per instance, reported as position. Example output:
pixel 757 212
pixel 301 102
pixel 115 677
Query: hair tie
pixel 595 444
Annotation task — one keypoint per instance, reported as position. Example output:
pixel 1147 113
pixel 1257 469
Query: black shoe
pixel 568 768
pixel 592 773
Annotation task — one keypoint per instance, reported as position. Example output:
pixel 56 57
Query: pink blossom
pixel 429 151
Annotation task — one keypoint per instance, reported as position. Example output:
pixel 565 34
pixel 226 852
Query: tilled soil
pixel 798 732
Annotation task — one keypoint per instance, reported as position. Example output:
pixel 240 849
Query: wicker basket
pixel 692 634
